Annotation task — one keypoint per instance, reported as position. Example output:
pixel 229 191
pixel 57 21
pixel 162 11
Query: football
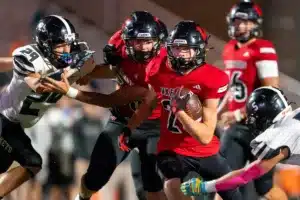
pixel 193 106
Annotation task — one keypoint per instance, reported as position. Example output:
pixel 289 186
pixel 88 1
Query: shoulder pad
pixel 33 55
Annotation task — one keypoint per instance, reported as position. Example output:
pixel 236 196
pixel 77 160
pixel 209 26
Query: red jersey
pixel 246 66
pixel 206 82
pixel 131 72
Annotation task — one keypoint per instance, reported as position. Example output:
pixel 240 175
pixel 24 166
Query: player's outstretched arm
pixel 25 70
pixel 233 179
pixel 118 98
pixel 203 131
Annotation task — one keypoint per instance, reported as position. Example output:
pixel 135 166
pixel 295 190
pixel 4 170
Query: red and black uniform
pixel 106 155
pixel 246 65
pixel 178 152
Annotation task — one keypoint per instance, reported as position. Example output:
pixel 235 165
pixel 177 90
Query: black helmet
pixel 245 10
pixel 187 33
pixel 143 25
pixel 53 30
pixel 264 106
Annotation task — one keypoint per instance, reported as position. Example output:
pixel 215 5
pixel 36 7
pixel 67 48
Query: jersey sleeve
pixel 218 86
pixel 117 40
pixel 22 66
pixel 266 61
pixel 269 143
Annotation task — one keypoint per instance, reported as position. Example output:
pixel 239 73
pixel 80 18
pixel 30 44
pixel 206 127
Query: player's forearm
pixel 103 71
pixel 118 98
pixel 201 131
pixel 144 110
pixel 234 179
pixel 98 99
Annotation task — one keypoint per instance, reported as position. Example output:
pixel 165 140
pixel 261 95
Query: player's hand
pixel 123 139
pixel 192 187
pixel 84 59
pixel 110 55
pixel 179 102
pixel 227 118
pixel 52 85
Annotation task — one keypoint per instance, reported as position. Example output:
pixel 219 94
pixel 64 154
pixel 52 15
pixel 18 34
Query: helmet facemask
pixel 184 58
pixel 142 50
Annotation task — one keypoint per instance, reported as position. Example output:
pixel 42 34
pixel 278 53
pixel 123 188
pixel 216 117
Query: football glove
pixel 110 55
pixel 123 139
pixel 81 58
pixel 179 102
pixel 192 187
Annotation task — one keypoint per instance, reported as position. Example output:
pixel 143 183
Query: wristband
pixel 72 92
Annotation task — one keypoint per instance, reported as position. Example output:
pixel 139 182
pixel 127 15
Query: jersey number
pixel 239 88
pixel 172 119
pixel 38 98
pixel 33 55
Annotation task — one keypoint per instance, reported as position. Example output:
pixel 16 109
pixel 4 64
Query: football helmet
pixel 143 25
pixel 245 10
pixel 190 34
pixel 265 106
pixel 53 30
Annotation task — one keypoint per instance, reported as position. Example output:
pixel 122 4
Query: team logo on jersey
pixel 169 92
pixel 197 87
pixel 246 54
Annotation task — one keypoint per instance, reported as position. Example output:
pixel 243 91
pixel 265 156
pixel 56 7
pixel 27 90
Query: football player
pixel 275 128
pixel 250 62
pixel 131 49
pixel 55 47
pixel 21 106
pixel 186 144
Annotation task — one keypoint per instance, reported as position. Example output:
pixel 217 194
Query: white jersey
pixel 18 102
pixel 284 133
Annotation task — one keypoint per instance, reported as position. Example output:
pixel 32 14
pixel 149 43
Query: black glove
pixel 81 57
pixel 110 55
pixel 178 102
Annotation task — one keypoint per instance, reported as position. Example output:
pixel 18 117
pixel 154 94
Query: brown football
pixel 193 106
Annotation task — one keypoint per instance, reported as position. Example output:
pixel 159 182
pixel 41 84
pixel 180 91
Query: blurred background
pixel 66 134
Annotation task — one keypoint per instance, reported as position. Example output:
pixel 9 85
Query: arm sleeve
pixel 266 62
pixel 218 88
